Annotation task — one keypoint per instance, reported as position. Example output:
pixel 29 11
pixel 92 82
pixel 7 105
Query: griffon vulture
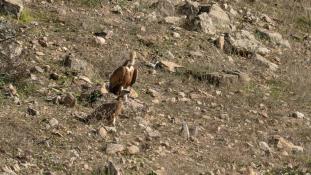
pixel 124 76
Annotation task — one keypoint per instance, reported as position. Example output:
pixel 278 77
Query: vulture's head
pixel 132 58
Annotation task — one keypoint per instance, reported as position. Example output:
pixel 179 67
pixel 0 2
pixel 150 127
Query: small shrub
pixel 25 16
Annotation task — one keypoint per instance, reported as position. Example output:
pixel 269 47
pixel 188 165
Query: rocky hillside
pixel 223 87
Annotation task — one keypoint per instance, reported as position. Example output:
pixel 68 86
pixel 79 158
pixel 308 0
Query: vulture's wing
pixel 117 77
pixel 134 77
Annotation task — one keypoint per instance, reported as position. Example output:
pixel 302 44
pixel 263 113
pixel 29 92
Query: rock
pixel 133 94
pixel 40 53
pixel 43 42
pixel 174 20
pixel 251 171
pixel 264 62
pixel 11 90
pixel 112 169
pixel 117 9
pixel 31 111
pixel 37 69
pixel 189 8
pixel 274 37
pixel 54 76
pixel 104 89
pixel 152 133
pixel 114 148
pixel 68 100
pixel 100 40
pixel 12 6
pixel 176 35
pixel 170 66
pixel 78 65
pixel 184 131
pixel 220 42
pixel 264 146
pixel 283 144
pixel 216 20
pixel 133 149
pixel 218 78
pixel 164 7
pixel 102 132
pixel 243 43
pixel 193 133
pixel 153 93
pixel 298 115
pixel 53 122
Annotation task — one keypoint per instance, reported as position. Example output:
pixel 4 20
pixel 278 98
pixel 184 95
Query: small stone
pixel 153 133
pixel 264 146
pixel 68 100
pixel 184 131
pixel 43 42
pixel 53 122
pixel 114 148
pixel 54 76
pixel 298 115
pixel 102 132
pixel 117 9
pixel 31 111
pixel 100 40
pixel 133 149
pixel 170 66
pixel 153 93
pixel 176 35
pixel 37 69
pixel 11 90
pixel 40 53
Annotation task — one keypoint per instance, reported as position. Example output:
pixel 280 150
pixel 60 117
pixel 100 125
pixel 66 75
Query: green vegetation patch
pixel 26 16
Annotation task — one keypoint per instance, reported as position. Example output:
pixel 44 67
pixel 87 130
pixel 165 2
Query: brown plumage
pixel 107 111
pixel 124 76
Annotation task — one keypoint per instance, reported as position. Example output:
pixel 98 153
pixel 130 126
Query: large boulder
pixel 244 43
pixel 273 37
pixel 211 22
pixel 14 7
pixel 78 65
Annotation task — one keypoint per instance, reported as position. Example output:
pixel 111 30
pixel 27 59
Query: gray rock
pixel 164 7
pixel 114 148
pixel 152 133
pixel 133 149
pixel 53 122
pixel 174 20
pixel 184 131
pixel 12 6
pixel 189 8
pixel 264 62
pixel 102 132
pixel 273 37
pixel 243 43
pixel 216 20
pixel 264 146
pixel 68 100
pixel 78 65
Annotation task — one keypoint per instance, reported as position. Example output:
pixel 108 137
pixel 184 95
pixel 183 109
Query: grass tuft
pixel 26 16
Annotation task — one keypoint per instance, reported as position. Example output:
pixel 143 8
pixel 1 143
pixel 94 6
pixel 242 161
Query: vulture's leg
pixel 125 96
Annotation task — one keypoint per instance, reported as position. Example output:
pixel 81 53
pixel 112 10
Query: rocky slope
pixel 223 87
